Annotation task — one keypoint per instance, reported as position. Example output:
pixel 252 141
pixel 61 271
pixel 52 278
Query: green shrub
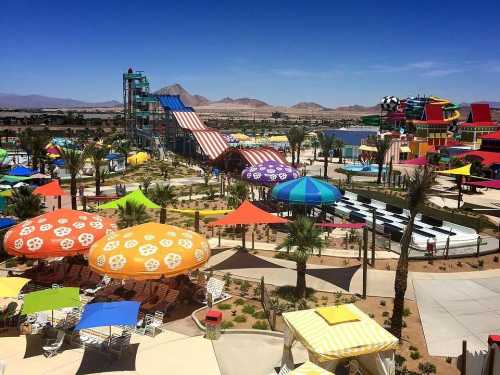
pixel 239 302
pixel 385 314
pixel 448 359
pixel 224 306
pixel 382 303
pixel 495 259
pixel 226 324
pixel 413 348
pixel 415 355
pixel 244 287
pixel 260 324
pixel 406 312
pixel 260 315
pixel 248 309
pixel 240 319
pixel 427 368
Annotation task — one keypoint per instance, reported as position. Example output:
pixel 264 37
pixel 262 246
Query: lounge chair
pixel 159 296
pixel 120 293
pixel 56 277
pixel 109 290
pixel 72 278
pixel 154 323
pixel 40 321
pixel 120 344
pixel 148 292
pixel 52 346
pixel 168 303
pixel 283 371
pixel 216 288
pixel 136 290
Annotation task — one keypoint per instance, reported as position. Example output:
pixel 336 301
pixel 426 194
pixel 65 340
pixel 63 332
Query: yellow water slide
pixel 449 107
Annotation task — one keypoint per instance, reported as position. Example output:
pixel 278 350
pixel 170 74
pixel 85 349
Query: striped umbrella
pixel 307 191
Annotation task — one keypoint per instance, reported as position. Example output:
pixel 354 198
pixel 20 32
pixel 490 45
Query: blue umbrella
pixel 22 171
pixel 122 313
pixel 307 191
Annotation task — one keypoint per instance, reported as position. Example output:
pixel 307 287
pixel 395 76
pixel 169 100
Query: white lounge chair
pixel 283 371
pixel 52 346
pixel 153 323
pixel 215 287
pixel 39 322
pixel 104 282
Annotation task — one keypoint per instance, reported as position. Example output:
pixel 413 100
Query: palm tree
pixel 123 147
pixel 382 145
pixel 291 135
pixel 132 214
pixel 418 187
pixel 305 238
pixel 237 194
pixel 163 195
pixel 97 153
pixel 326 143
pixel 24 204
pixel 300 135
pixel 73 162
pixel 315 145
pixel 339 145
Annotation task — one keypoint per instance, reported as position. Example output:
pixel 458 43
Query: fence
pixel 484 362
pixel 265 299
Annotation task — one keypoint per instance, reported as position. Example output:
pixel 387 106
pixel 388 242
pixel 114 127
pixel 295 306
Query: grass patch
pixel 248 309
pixel 260 324
pixel 240 319
pixel 224 306
pixel 226 324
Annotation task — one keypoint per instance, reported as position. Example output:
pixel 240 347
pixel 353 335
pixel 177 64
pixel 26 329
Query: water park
pixel 361 250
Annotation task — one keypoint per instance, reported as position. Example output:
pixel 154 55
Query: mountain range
pixel 41 101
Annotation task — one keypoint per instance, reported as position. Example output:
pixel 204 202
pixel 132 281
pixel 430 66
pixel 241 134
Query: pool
pixel 363 168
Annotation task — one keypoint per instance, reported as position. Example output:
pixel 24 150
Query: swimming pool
pixel 364 168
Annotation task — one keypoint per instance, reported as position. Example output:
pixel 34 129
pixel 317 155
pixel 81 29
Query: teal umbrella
pixel 307 191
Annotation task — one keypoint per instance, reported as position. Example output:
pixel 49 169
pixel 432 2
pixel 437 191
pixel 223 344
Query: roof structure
pixel 420 161
pixel 487 158
pixel 211 142
pixel 254 156
pixel 248 214
pixel 433 114
pixel 350 137
pixel 189 120
pixel 494 136
pixel 173 103
pixel 480 115
pixel 491 184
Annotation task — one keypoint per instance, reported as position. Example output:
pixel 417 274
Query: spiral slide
pixel 448 107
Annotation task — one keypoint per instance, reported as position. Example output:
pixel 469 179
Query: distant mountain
pixel 358 108
pixel 493 104
pixel 186 97
pixel 309 105
pixel 40 101
pixel 243 101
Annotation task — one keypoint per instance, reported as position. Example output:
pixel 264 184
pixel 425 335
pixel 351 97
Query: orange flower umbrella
pixel 149 251
pixel 58 233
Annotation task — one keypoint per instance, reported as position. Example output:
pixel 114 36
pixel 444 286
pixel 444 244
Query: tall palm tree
pixel 163 195
pixel 326 143
pixel 236 194
pixel 24 204
pixel 132 214
pixel 300 135
pixel 73 162
pixel 305 238
pixel 292 141
pixel 315 144
pixel 418 187
pixel 97 153
pixel 339 145
pixel 382 145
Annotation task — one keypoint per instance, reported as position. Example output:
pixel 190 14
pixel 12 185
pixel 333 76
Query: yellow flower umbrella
pixel 11 286
pixel 149 251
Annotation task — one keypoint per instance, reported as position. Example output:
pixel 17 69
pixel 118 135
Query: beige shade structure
pixel 309 368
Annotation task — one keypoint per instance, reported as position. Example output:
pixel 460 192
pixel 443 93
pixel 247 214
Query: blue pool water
pixel 365 168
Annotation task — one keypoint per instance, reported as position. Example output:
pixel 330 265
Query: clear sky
pixel 283 52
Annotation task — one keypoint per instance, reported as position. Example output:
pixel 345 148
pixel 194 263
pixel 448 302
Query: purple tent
pixel 269 173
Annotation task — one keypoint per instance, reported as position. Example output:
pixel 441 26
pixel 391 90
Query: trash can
pixel 213 320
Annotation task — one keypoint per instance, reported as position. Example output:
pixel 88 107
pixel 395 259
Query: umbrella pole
pixel 52 318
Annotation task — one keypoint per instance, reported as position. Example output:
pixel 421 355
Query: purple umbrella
pixel 269 173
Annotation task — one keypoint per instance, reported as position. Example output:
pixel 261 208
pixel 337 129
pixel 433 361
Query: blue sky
pixel 283 52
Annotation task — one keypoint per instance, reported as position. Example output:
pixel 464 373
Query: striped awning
pixel 189 120
pixel 333 341
pixel 211 142
pixel 309 368
pixel 259 155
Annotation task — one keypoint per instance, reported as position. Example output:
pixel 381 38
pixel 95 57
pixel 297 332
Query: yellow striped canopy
pixel 309 368
pixel 11 286
pixel 203 213
pixel 461 171
pixel 326 342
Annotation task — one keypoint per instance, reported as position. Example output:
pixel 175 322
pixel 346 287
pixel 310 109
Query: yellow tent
pixel 203 213
pixel 460 171
pixel 240 136
pixel 368 148
pixel 350 333
pixel 139 158
pixel 278 138
pixel 11 286
pixel 309 368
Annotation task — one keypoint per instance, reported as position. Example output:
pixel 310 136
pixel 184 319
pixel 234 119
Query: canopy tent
pixel 341 225
pixel 13 179
pixel 22 171
pixel 240 136
pixel 336 332
pixel 269 173
pixel 309 368
pixel 114 156
pixel 50 299
pixel 420 161
pixel 138 159
pixel 58 233
pixel 6 222
pixel 460 171
pixel 278 139
pixel 136 197
pixel 11 286
pixel 122 313
pixel 248 214
pixel 203 213
pixel 149 251
pixel 52 189
pixel 491 184
pixel 307 191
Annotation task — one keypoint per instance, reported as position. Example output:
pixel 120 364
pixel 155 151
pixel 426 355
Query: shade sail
pixel 58 233
pixel 138 159
pixel 122 313
pixel 52 189
pixel 136 197
pixel 11 286
pixel 248 214
pixel 269 173
pixel 420 161
pixel 149 251
pixel 203 213
pixel 492 184
pixel 309 368
pixel 461 171
pixel 51 299
pixel 333 341
pixel 22 171
pixel 307 191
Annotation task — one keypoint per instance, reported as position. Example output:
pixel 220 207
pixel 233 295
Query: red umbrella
pixel 52 189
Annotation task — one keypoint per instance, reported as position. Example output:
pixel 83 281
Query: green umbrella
pixel 136 197
pixel 3 155
pixel 14 178
pixel 51 299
